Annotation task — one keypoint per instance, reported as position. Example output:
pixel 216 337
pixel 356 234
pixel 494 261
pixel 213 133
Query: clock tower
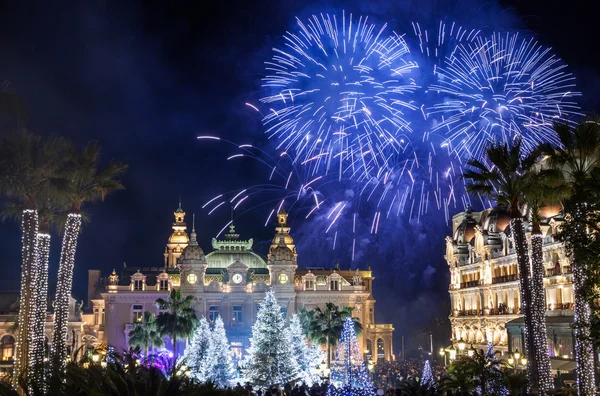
pixel 282 256
pixel 192 265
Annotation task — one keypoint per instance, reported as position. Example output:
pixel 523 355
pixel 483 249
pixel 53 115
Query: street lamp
pixel 471 351
pixel 95 357
pixel 443 353
pixel 462 345
pixel 517 354
pixel 452 352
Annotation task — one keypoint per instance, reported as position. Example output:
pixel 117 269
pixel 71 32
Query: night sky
pixel 146 78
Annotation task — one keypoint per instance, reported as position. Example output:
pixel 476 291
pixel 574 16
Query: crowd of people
pixel 389 375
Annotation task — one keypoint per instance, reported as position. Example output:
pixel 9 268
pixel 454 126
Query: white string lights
pixel 584 350
pixel 517 230
pixel 63 289
pixel 538 297
pixel 40 294
pixel 29 226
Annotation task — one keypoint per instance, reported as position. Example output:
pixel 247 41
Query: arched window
pixel 8 347
pixel 369 347
pixel 380 349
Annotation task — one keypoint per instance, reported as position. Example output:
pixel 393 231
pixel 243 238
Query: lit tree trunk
pixel 40 293
pixel 63 289
pixel 584 349
pixel 29 226
pixel 538 296
pixel 518 234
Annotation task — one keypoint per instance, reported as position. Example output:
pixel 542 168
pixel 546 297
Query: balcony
pixel 474 283
pixel 469 312
pixel 561 306
pixel 504 310
pixel 504 278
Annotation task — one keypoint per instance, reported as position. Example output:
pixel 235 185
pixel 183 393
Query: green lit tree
pixel 578 158
pixel 178 319
pixel 325 326
pixel 146 335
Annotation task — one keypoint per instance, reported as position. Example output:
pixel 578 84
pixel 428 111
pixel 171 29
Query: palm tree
pixel 415 387
pixel 458 379
pixel 146 335
pixel 178 318
pixel 27 165
pixel 83 181
pixel 325 325
pixel 545 188
pixel 504 181
pixel 578 159
pixel 49 216
pixel 485 371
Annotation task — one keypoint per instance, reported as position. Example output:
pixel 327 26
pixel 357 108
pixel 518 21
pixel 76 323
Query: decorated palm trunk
pixel 40 294
pixel 518 233
pixel 584 349
pixel 538 306
pixel 63 289
pixel 30 226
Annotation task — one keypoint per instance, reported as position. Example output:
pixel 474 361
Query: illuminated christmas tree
pixel 271 359
pixel 348 373
pixel 427 377
pixel 219 368
pixel 195 354
pixel 308 356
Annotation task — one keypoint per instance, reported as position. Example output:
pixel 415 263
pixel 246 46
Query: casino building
pixel 229 281
pixel 484 285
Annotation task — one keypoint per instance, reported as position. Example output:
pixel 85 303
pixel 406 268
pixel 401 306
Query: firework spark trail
pixel 501 88
pixel 339 92
pixel 348 112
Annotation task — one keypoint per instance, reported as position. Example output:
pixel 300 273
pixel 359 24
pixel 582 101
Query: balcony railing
pixel 560 307
pixel 469 312
pixel 475 283
pixel 557 271
pixel 504 310
pixel 505 278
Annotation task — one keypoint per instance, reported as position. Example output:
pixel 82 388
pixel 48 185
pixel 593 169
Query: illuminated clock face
pixel 237 278
pixel 192 279
pixel 283 278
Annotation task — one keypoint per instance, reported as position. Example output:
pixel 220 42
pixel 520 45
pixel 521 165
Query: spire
pixel 179 209
pixel 193 240
pixel 282 217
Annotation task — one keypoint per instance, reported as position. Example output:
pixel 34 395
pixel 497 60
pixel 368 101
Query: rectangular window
pixel 237 313
pixel 103 318
pixel 334 285
pixel 371 315
pixel 164 284
pixel 138 285
pixel 96 316
pixel 213 312
pixel 309 285
pixel 138 313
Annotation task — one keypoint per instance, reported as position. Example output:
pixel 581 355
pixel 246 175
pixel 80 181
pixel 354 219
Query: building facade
pixel 484 284
pixel 9 315
pixel 230 281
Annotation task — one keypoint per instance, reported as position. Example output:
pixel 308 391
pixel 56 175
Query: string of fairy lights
pixel 584 351
pixel 538 295
pixel 63 289
pixel 517 229
pixel 348 373
pixel 29 226
pixel 40 294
